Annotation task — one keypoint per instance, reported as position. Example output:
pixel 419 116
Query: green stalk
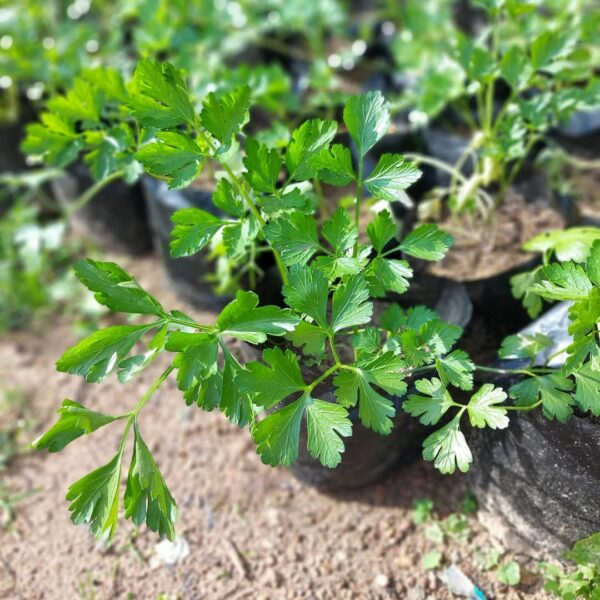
pixel 323 377
pixel 524 408
pixel 251 206
pixel 359 184
pixel 80 202
pixel 143 400
pixel 438 164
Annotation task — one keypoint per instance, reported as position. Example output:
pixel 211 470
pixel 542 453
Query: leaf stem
pixel 438 164
pixel 359 184
pixel 251 206
pixel 334 353
pixel 321 378
pixel 531 372
pixel 523 408
pixel 80 202
pixel 143 400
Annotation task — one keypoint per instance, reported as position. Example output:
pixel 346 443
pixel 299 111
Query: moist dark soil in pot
pixel 483 252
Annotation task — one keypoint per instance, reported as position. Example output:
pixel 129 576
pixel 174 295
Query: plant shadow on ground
pixel 409 480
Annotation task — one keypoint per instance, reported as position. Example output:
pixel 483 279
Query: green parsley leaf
pixel 147 497
pixel 243 319
pixel 311 337
pixel 367 118
pixel 224 115
pixel 524 345
pixel 427 241
pixel 327 423
pixel 271 384
pixel 234 403
pixel 115 288
pixel 587 390
pixel 196 362
pixel 334 165
pixel 439 335
pixel 159 96
pixel 108 151
pixel 307 293
pixel 391 176
pixel 586 551
pixel 74 421
pixel 194 228
pixel 431 407
pixel 521 285
pixel 238 237
pixel 482 408
pixel 566 281
pixel 350 305
pixel 552 390
pixel 388 275
pixel 277 436
pixel 340 231
pixel 174 156
pixel 295 237
pixel 592 265
pixel 53 139
pixel 290 202
pixel 263 166
pixel 515 68
pixel 415 352
pixel 456 369
pixel 382 230
pixel 133 365
pixel 308 140
pixel 374 410
pixel 95 498
pixel 573 244
pixel 227 200
pixel 97 355
pixel 447 448
pixel 550 45
pixel 82 102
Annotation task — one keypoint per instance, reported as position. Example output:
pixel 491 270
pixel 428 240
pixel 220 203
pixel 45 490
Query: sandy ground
pixel 253 531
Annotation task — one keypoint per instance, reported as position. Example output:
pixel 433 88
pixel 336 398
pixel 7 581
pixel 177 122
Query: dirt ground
pixel 253 531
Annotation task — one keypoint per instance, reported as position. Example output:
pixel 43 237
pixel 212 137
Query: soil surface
pixel 252 531
pixel 486 251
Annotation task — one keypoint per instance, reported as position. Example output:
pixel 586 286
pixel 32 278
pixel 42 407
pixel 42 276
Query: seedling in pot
pixel 510 86
pixel 328 336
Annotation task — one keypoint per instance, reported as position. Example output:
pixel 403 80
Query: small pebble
pixel 382 581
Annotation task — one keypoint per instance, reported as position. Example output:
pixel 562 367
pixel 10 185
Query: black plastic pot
pixel 448 147
pixel 537 481
pixel 115 218
pixel 12 134
pixel 370 456
pixel 581 133
pixel 187 275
